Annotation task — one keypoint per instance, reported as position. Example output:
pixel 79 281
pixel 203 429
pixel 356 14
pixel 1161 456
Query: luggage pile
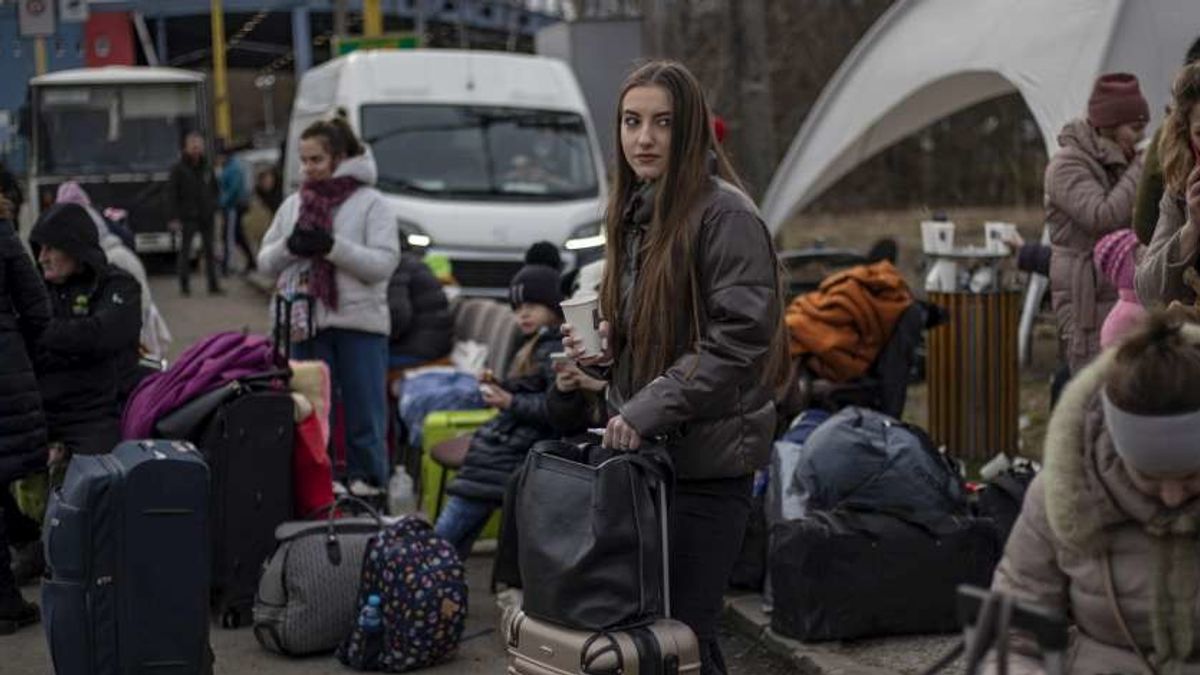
pixel 229 512
pixel 871 532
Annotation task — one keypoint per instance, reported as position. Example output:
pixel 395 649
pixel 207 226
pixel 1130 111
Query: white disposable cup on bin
pixel 583 313
pixel 937 236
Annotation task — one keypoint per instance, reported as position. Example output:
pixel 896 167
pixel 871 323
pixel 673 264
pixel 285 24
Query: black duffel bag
pixel 591 540
pixel 840 575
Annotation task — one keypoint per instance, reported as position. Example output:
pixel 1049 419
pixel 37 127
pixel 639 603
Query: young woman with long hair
pixel 695 341
pixel 1176 238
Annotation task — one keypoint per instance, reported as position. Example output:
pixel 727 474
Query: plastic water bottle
pixel 401 498
pixel 370 621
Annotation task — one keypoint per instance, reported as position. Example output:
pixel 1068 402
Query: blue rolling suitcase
pixel 127 554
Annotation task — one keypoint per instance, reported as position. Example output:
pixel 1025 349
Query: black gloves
pixel 310 243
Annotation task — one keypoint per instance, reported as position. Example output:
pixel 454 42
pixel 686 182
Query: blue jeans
pixel 358 365
pixel 461 522
pixel 402 360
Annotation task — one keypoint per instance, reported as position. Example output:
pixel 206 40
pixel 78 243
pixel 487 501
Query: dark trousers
pixel 235 235
pixel 183 262
pixel 16 529
pixel 708 522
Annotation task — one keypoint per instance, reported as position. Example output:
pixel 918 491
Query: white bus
pixel 116 130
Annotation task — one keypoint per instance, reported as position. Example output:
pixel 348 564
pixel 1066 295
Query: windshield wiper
pixel 401 183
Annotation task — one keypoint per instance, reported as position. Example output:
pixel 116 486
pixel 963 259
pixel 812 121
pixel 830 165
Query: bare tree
pixel 755 137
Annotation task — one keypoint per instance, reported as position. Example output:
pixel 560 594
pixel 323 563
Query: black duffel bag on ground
pixel 840 575
pixel 591 541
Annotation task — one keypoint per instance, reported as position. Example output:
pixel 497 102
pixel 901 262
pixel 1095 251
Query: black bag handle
pixel 333 548
pixel 588 658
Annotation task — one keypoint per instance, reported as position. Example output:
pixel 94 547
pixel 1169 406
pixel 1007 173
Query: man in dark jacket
pixel 91 344
pixel 422 328
pixel 191 208
pixel 24 313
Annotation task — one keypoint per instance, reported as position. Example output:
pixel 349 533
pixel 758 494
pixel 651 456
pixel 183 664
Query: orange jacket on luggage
pixel 844 324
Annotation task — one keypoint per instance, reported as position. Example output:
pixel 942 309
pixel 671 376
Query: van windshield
pixel 113 128
pixel 456 151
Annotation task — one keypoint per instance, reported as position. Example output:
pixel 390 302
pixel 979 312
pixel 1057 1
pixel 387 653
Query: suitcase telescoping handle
pixel 665 531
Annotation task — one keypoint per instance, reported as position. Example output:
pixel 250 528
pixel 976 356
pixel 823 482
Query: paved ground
pixel 237 652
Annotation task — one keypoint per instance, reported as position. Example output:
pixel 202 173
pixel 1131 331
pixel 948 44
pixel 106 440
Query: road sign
pixel 36 17
pixel 391 41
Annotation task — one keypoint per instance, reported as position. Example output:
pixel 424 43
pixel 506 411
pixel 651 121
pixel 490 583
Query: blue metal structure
pixel 286 36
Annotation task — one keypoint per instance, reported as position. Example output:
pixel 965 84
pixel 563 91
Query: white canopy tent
pixel 926 59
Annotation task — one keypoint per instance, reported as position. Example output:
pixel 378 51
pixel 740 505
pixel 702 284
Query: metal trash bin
pixel 973 376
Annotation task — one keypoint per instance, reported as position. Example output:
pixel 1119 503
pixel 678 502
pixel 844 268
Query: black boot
pixel 15 613
pixel 29 563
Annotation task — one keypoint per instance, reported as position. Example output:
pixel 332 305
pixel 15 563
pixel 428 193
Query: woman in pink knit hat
pixel 1116 259
pixel 1090 187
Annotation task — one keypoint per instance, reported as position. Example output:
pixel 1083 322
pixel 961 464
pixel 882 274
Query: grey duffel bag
pixel 309 587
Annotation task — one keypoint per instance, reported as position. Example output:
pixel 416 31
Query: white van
pixel 481 153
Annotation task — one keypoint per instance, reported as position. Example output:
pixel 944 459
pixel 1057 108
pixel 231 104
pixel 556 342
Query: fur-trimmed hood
pixel 1094 512
pixel 1088 489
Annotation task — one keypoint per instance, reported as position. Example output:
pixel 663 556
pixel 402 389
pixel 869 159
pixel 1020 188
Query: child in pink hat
pixel 1116 258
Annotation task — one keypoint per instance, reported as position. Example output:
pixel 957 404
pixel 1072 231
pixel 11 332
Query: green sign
pixel 346 45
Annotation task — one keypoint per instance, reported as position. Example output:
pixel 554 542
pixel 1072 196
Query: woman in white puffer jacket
pixel 337 241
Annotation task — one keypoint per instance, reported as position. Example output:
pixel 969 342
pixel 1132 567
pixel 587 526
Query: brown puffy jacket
pixel 714 402
pixel 1083 513
pixel 845 323
pixel 1090 188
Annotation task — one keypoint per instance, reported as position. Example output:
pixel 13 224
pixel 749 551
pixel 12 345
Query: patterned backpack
pixel 423 588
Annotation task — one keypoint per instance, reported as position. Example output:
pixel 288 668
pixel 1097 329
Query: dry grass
pixel 859 230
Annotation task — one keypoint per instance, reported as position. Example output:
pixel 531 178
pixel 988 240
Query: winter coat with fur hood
pixel 1083 514
pixel 366 249
pixel 1090 187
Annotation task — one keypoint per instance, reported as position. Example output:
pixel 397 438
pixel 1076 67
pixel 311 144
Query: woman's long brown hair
pixel 1175 146
pixel 666 281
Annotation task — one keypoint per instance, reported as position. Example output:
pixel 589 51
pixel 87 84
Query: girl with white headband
pixel 1110 531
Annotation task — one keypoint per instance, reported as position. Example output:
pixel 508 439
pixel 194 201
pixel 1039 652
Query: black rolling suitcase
pixel 126 540
pixel 248 445
pixel 841 575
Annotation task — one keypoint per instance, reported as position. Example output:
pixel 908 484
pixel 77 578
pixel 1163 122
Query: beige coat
pixel 1090 188
pixel 1159 277
pixel 1082 510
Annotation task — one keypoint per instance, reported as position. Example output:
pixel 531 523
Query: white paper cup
pixel 582 311
pixel 996 233
pixel 937 236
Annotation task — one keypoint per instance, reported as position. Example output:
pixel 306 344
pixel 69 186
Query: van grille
pixel 485 273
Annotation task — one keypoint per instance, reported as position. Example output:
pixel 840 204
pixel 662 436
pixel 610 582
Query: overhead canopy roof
pixel 926 59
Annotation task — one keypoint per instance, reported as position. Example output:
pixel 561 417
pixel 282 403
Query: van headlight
pixel 588 235
pixel 413 234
